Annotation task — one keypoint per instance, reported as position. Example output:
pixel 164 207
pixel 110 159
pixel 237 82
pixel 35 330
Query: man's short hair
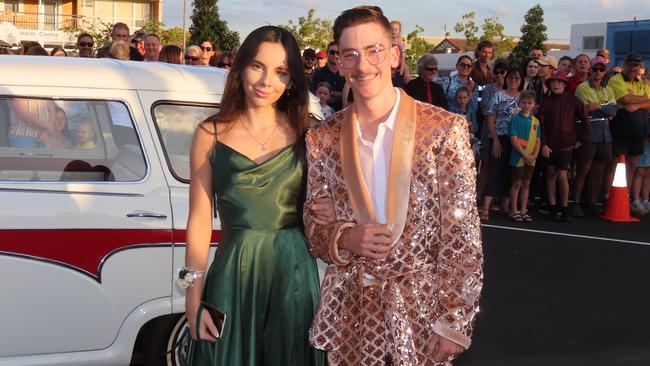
pixel 333 43
pixel 527 95
pixel 361 15
pixel 565 57
pixel 152 35
pixel 120 25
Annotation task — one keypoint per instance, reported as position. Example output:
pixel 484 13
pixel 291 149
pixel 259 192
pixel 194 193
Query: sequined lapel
pixel 399 171
pixel 356 184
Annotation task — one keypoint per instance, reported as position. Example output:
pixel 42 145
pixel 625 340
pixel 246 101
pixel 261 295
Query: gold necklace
pixel 262 144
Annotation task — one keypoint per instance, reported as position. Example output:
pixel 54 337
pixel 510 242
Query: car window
pixel 176 124
pixel 68 140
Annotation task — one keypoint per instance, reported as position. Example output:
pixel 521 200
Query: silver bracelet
pixel 187 276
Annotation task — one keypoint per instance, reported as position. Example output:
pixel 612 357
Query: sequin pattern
pixel 433 277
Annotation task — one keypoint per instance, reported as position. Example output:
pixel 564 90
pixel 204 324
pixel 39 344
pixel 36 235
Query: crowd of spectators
pixel 135 47
pixel 546 132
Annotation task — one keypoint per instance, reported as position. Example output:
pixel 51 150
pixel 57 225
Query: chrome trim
pixel 147 214
pixel 60 191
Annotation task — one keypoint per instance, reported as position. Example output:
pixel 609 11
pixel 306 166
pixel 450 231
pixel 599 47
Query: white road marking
pixel 567 234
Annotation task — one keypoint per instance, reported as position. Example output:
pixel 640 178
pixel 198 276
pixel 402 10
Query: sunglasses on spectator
pixel 462 64
pixel 206 49
pixel 86 44
pixel 432 68
pixel 598 69
pixel 192 58
pixel 500 72
pixel 333 52
pixel 310 58
pixel 514 77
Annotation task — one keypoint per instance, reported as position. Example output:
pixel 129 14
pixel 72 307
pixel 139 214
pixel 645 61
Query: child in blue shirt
pixel 465 107
pixel 525 134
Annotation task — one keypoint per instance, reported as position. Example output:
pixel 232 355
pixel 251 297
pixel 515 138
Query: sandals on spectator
pixel 516 217
pixel 526 218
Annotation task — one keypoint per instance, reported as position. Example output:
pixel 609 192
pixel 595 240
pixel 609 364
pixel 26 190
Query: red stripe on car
pixel 85 249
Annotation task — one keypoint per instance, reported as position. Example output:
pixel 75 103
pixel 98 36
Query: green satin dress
pixel 263 275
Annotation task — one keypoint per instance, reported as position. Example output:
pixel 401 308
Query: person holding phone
pixel 249 160
pixel 458 78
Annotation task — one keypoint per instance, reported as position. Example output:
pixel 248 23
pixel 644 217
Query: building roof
pixel 108 73
pixel 456 44
pixel 459 44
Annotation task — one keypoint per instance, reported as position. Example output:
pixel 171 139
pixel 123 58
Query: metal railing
pixel 42 21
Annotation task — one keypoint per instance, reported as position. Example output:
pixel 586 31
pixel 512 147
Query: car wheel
pixel 167 342
pixel 178 343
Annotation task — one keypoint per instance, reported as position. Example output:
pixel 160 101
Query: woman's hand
pixel 207 330
pixel 496 148
pixel 322 211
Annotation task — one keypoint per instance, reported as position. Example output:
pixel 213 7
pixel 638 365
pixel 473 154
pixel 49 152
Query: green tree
pixel 469 29
pixel 207 25
pixel 101 33
pixel 533 35
pixel 173 35
pixel 167 35
pixel 310 31
pixel 493 32
pixel 415 47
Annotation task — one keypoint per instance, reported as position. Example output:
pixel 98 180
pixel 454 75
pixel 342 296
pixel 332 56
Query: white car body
pixel 80 278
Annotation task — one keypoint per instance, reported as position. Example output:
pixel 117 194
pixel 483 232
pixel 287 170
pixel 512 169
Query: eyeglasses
pixel 375 54
pixel 598 69
pixel 333 52
pixel 191 58
pixel 432 69
pixel 514 77
pixel 205 49
pixel 500 72
pixel 86 44
pixel 309 58
pixel 462 64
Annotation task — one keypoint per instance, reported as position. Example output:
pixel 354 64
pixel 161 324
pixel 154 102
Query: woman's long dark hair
pixel 294 100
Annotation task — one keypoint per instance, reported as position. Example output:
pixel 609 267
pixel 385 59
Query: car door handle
pixel 146 214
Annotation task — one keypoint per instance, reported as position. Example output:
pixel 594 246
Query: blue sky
pixel 244 16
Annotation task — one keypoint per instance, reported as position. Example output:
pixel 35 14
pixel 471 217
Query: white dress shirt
pixel 374 157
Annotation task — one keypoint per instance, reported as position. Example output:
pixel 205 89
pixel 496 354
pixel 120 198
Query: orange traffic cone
pixel 618 204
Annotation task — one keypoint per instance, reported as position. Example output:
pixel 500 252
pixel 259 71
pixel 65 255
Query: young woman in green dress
pixel 249 160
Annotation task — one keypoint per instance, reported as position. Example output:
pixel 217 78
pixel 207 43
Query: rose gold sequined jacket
pixel 432 278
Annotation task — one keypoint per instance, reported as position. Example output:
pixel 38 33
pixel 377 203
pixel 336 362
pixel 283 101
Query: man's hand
pixel 368 240
pixel 546 151
pixel 441 348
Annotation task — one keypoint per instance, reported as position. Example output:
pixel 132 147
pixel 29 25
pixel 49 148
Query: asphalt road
pixel 564 294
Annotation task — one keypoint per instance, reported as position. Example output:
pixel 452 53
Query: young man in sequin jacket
pixel 405 258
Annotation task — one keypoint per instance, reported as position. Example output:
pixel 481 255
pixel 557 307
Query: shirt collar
pixel 390 120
